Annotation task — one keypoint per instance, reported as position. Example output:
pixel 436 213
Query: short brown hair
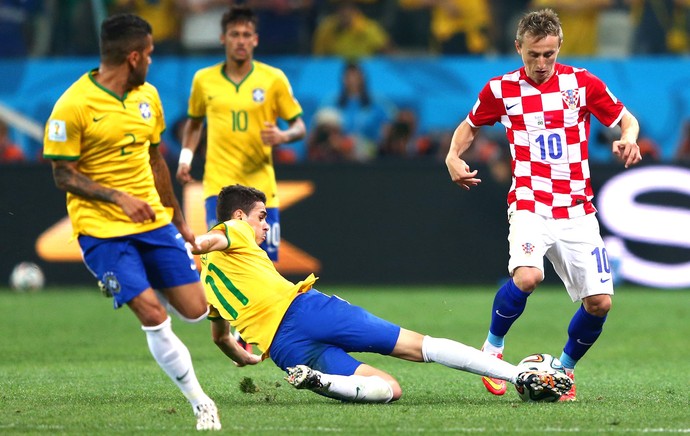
pixel 539 24
pixel 234 197
pixel 239 14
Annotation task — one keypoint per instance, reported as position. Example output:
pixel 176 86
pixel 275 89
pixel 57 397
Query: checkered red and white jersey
pixel 547 126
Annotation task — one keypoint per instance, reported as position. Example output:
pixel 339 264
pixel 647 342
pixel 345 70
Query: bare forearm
pixel 295 131
pixel 191 134
pixel 161 175
pixel 462 139
pixel 211 241
pixel 220 330
pixel 230 348
pixel 630 128
pixel 72 181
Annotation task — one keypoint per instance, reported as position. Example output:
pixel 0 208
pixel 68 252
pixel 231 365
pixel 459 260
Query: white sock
pixel 491 349
pixel 174 358
pixel 355 388
pixel 460 356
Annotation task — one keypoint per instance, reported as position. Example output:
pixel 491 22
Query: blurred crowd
pixel 351 28
pixel 357 125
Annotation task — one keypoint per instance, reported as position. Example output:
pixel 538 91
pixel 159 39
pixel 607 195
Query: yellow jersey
pixel 243 286
pixel 580 23
pixel 235 115
pixel 109 137
pixel 471 17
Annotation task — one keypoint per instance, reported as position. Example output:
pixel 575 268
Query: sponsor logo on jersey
pixel 145 110
pixel 57 131
pixel 258 95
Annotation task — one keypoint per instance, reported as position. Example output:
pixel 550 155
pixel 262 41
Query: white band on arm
pixel 186 156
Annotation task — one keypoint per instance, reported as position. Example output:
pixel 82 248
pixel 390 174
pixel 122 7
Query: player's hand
pixel 460 173
pixel 186 233
pixel 247 359
pixel 137 210
pixel 199 245
pixel 628 152
pixel 183 174
pixel 272 135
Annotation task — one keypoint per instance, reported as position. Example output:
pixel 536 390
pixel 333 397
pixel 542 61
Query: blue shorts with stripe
pixel 319 331
pixel 128 265
pixel 272 243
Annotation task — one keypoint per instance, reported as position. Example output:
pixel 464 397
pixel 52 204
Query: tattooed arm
pixel 68 178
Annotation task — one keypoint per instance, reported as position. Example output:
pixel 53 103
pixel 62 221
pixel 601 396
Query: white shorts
pixel 574 247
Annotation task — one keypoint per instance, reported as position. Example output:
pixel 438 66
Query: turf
pixel 69 364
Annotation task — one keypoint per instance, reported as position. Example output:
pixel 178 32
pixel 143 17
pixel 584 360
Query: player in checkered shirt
pixel 546 109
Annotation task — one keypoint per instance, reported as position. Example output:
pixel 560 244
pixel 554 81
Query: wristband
pixel 186 156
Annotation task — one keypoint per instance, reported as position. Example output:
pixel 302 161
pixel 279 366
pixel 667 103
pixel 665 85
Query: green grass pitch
pixel 69 364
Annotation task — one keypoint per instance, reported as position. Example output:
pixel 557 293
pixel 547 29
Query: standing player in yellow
pixel 309 334
pixel 241 100
pixel 102 138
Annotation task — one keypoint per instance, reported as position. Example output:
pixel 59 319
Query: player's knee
pixel 199 314
pixel 395 388
pixel 192 309
pixel 152 316
pixel 598 305
pixel 527 279
pixel 148 310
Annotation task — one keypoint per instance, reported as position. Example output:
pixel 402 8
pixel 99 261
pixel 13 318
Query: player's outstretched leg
pixel 571 395
pixel 537 381
pixel 303 377
pixel 353 388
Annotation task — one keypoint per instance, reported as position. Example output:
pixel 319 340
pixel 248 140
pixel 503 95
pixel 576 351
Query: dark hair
pixel 364 97
pixel 539 24
pixel 234 197
pixel 122 34
pixel 239 14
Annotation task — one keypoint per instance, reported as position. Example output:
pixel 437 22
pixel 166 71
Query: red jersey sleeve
pixel 601 102
pixel 488 109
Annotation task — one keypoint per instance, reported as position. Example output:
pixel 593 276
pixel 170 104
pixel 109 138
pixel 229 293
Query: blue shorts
pixel 128 265
pixel 272 242
pixel 319 331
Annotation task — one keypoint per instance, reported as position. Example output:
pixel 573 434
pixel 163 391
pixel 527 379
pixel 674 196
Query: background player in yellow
pixel 102 138
pixel 309 334
pixel 241 100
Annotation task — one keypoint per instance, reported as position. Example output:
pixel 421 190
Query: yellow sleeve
pixel 63 132
pixel 288 106
pixel 197 102
pixel 160 120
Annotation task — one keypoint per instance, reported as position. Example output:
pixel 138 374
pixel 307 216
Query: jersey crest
pixel 145 110
pixel 528 248
pixel 258 95
pixel 571 97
